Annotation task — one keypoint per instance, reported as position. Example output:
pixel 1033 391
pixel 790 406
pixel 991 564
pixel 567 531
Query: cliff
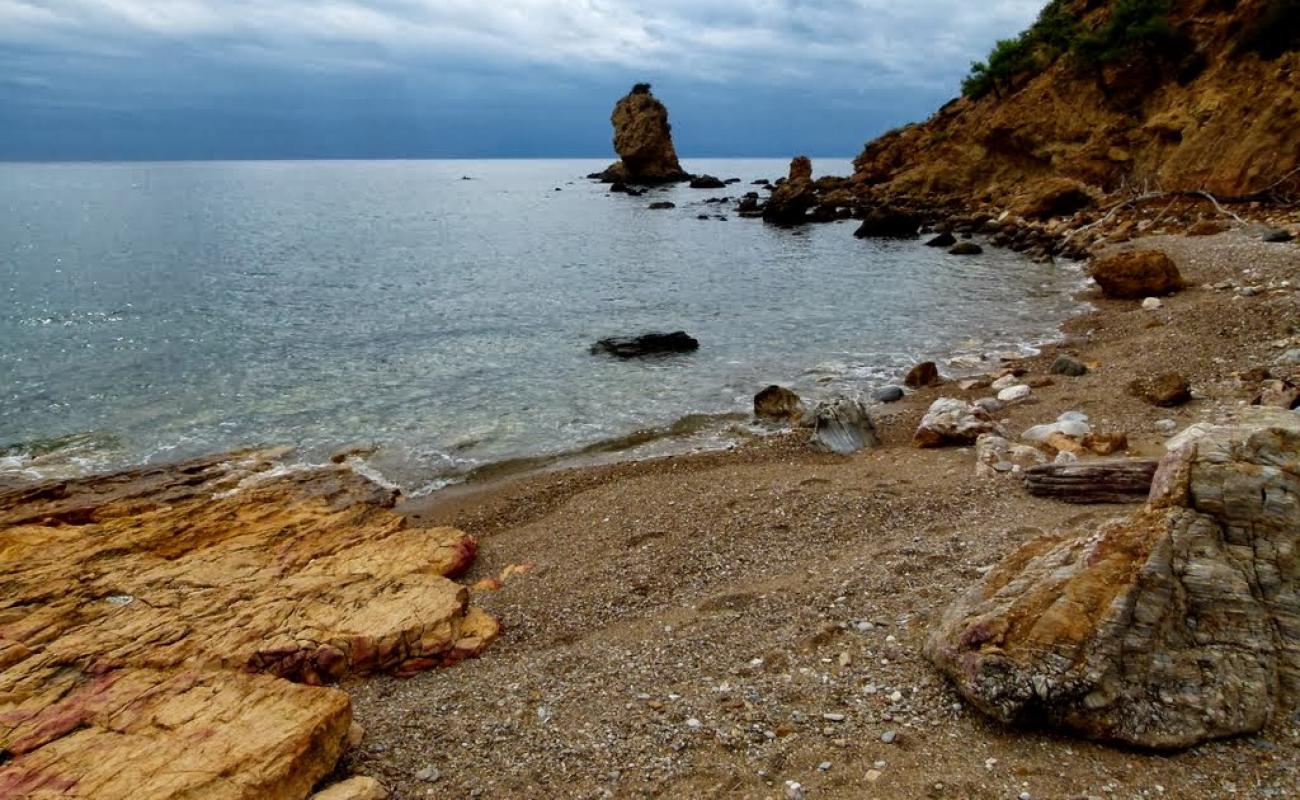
pixel 1107 95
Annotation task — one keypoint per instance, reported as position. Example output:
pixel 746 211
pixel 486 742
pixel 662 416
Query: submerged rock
pixel 153 610
pixel 1176 625
pixel 643 140
pixel 965 249
pixel 1138 274
pixel 647 344
pixel 706 182
pixel 842 426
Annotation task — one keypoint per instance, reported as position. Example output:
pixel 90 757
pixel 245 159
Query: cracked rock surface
pixel 1177 625
pixel 165 631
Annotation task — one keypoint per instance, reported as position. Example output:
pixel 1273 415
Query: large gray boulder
pixel 1176 625
pixel 842 425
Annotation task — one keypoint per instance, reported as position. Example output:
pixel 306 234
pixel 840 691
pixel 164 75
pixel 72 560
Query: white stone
pixel 1072 416
pixel 1004 382
pixel 1152 304
pixel 1014 394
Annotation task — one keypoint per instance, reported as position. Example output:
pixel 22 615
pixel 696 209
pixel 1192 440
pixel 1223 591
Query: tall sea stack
pixel 643 140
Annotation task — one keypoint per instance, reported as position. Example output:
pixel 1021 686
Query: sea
pixel 434 318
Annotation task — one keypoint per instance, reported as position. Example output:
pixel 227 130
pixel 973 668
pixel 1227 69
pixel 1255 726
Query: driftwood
pixel 1113 481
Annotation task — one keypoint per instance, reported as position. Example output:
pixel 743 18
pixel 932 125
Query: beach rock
pixel 1137 274
pixel 662 205
pixel 995 455
pixel 357 788
pixel 888 222
pixel 1070 367
pixel 889 394
pixel 965 249
pixel 647 344
pixel 924 374
pixel 1206 227
pixel 1165 391
pixel 167 629
pixel 1014 394
pixel 1176 625
pixel 1277 236
pixel 1152 304
pixel 1278 394
pixel 942 240
pixel 790 202
pixel 778 402
pixel 952 422
pixel 643 140
pixel 1058 197
pixel 706 182
pixel 842 425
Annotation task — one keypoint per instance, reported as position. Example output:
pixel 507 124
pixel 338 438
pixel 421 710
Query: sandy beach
pixel 718 624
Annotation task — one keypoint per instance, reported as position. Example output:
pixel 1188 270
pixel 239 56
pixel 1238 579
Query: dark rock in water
pixel 706 182
pixel 1064 365
pixel 889 394
pixel 924 374
pixel 748 204
pixel 618 186
pixel 842 426
pixel 965 249
pixel 761 182
pixel 662 204
pixel 1278 236
pixel 647 344
pixel 942 240
pixel 701 216
pixel 778 402
pixel 1165 391
pixel 789 204
pixel 595 176
pixel 732 180
pixel 466 178
pixel 889 223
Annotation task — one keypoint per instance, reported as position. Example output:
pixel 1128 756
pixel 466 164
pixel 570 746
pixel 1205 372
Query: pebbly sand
pixel 718 624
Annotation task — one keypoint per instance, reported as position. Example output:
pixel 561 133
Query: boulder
pixel 647 344
pixel 889 394
pixel 1014 394
pixel 1137 274
pixel 952 422
pixel 357 788
pixel 167 629
pixel 1070 367
pixel 662 205
pixel 887 222
pixel 842 425
pixel 965 249
pixel 942 240
pixel 778 402
pixel 1165 391
pixel 1175 625
pixel 790 202
pixel 643 140
pixel 924 374
pixel 706 182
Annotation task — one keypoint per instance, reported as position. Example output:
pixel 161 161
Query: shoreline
pixel 729 588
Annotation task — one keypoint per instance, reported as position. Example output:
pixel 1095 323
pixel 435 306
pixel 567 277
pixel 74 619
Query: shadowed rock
pixel 1135 275
pixel 647 344
pixel 842 426
pixel 1178 624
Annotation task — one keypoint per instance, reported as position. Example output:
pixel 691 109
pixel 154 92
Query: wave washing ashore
pixel 436 316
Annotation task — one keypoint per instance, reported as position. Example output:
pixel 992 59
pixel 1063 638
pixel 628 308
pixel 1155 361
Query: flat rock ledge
pixel 1174 626
pixel 165 632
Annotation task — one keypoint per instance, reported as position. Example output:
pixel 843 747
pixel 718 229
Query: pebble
pixel 824 766
pixel 889 394
pixel 873 775
pixel 1025 796
pixel 1166 426
pixel 833 717
pixel 1013 394
pixel 888 737
pixel 1005 382
pixel 694 723
pixel 1152 304
pixel 429 774
pixel 794 791
pixel 1290 357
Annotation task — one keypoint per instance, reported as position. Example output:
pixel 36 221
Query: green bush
pixel 1057 32
pixel 1277 31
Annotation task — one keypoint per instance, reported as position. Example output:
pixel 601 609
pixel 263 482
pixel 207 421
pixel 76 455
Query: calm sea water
pixel 155 311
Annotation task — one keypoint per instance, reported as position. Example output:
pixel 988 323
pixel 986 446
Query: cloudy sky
pixel 473 78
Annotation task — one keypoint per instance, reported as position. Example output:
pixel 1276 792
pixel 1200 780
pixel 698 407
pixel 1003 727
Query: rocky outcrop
pixel 647 344
pixel 1136 274
pixel 793 197
pixel 644 142
pixel 1205 107
pixel 1178 624
pixel 165 632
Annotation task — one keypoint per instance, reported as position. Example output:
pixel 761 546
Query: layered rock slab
pixel 148 620
pixel 1174 626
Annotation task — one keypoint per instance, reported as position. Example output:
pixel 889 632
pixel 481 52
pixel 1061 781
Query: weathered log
pixel 1113 481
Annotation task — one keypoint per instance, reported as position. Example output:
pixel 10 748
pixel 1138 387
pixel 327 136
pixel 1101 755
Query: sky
pixel 201 79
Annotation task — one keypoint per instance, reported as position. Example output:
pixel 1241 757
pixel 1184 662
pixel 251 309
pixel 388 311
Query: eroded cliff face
pixel 1204 109
pixel 643 140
